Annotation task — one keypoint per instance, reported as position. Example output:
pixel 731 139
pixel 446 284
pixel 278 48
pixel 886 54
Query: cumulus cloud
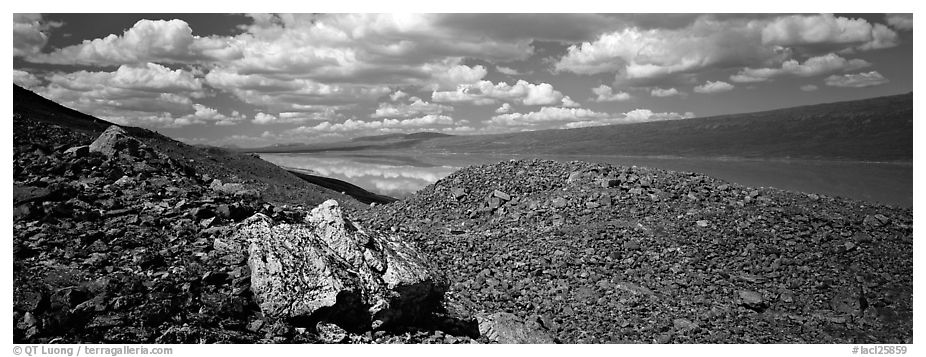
pixel 287 93
pixel 546 114
pixel 486 92
pixel 579 117
pixel 505 108
pixel 416 108
pixel 507 71
pixel 25 79
pixel 827 29
pixel 633 116
pixel 457 75
pixel 809 87
pixel 903 22
pixel 397 95
pixel 427 122
pixel 858 80
pixel 641 54
pixel 637 53
pixel 203 114
pixel 661 92
pixel 374 49
pixel 569 103
pixel 264 118
pixel 152 95
pixel 605 94
pixel 713 87
pixel 30 34
pixel 147 41
pixel 811 67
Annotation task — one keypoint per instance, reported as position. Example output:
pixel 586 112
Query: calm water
pixel 399 174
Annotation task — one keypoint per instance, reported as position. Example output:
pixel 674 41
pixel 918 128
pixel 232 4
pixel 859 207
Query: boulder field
pixel 599 254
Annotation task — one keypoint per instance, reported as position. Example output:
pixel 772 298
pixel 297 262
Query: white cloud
pixel 486 92
pixel 827 29
pixel 508 71
pixel 285 93
pixel 809 87
pixel 25 79
pixel 416 108
pixel 147 41
pixel 709 41
pixel 605 94
pixel 454 76
pixel 579 117
pixel 397 95
pixel 203 114
pixel 857 80
pixel 714 87
pixel 148 95
pixel 811 67
pixel 903 22
pixel 29 34
pixel 505 108
pixel 264 118
pixel 427 122
pixel 569 103
pixel 660 92
pixel 546 114
pixel 637 53
pixel 633 116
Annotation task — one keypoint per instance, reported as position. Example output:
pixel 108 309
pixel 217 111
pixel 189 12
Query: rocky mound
pixel 599 253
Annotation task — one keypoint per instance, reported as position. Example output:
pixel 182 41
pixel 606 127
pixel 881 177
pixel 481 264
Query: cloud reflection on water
pixel 391 179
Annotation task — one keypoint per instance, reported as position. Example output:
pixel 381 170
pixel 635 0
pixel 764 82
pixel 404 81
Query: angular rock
pixel 458 192
pixel 329 268
pixel 507 328
pixel 230 188
pixel 114 141
pixel 78 151
pixel 503 196
pixel 330 333
pixel 752 300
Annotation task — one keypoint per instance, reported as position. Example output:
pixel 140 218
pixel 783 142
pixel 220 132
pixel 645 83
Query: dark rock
pixel 458 192
pixel 78 151
pixel 507 328
pixel 330 333
pixel 752 300
pixel 501 195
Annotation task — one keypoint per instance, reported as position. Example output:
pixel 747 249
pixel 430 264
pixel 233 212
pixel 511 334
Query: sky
pixel 251 80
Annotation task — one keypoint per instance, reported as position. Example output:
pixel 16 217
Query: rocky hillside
pixel 31 111
pixel 634 255
pixel 116 241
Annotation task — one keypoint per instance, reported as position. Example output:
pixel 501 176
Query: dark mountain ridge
pixel 875 129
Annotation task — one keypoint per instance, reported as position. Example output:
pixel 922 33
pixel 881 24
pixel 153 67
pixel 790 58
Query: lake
pixel 399 174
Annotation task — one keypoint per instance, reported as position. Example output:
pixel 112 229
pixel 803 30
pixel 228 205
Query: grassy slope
pixel 276 184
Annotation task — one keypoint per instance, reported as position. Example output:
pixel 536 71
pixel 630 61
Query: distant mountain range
pixel 875 129
pixel 385 141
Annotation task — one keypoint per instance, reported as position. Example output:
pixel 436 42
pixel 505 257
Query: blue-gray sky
pixel 259 79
